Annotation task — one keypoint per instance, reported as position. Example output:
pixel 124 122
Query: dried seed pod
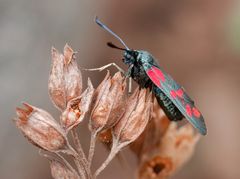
pixel 56 84
pixel 130 106
pixel 153 133
pixel 60 171
pixel 131 124
pixel 65 79
pixel 41 129
pixel 135 118
pixel 72 75
pixel 102 105
pixel 175 149
pixel 105 100
pixel 117 91
pixel 77 108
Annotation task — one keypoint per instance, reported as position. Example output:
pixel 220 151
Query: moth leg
pixel 128 75
pixel 129 85
pixel 107 66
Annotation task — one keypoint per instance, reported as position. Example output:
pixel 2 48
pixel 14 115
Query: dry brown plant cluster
pixel 115 119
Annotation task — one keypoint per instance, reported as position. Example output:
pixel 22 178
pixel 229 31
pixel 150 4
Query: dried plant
pixel 115 118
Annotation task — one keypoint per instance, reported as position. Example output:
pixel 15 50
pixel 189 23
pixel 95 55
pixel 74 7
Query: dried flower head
pixel 108 99
pixel 40 128
pixel 176 148
pixel 77 108
pixel 65 79
pixel 116 120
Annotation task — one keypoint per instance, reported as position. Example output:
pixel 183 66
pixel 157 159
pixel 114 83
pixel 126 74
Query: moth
pixel 144 69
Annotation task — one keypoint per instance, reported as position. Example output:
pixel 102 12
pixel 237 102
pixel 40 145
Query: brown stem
pixel 67 164
pixel 79 146
pixel 78 161
pixel 111 155
pixel 91 148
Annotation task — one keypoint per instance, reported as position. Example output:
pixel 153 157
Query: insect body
pixel 171 96
pixel 145 62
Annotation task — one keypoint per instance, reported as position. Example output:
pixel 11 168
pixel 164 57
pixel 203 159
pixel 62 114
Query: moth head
pixel 130 56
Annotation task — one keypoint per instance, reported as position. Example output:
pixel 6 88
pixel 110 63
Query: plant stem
pixel 91 148
pixel 111 155
pixel 68 164
pixel 78 146
pixel 78 161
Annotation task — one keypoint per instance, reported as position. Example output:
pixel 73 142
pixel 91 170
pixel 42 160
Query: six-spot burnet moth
pixel 172 97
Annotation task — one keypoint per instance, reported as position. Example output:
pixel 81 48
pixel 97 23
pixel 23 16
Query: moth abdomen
pixel 167 105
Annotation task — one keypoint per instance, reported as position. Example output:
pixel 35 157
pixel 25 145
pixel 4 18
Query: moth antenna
pixel 110 31
pixel 110 44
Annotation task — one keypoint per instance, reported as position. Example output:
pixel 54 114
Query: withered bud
pixel 175 149
pixel 40 128
pixel 65 79
pixel 60 170
pixel 107 98
pixel 77 108
pixel 135 119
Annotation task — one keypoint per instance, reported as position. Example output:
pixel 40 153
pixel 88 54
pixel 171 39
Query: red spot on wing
pixel 188 110
pixel 173 94
pixel 180 92
pixel 196 112
pixel 159 73
pixel 153 77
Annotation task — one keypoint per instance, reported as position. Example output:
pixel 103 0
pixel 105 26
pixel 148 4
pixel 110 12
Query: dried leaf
pixel 40 128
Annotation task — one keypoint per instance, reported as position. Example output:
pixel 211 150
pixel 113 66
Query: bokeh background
pixel 196 41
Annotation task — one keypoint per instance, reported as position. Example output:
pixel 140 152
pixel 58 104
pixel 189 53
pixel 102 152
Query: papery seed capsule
pixel 56 83
pixel 77 108
pixel 72 75
pixel 139 118
pixel 152 135
pixel 102 106
pixel 117 92
pixel 40 128
pixel 65 79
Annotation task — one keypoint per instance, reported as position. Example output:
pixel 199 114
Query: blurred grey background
pixel 197 42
